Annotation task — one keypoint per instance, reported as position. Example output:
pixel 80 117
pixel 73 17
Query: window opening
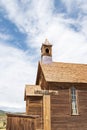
pixel 47 50
pixel 74 101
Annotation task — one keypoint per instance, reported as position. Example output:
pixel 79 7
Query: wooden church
pixel 58 100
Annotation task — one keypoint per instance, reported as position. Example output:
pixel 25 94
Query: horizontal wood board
pixel 61 118
pixel 34 106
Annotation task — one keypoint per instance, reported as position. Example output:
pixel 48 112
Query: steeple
pixel 46 52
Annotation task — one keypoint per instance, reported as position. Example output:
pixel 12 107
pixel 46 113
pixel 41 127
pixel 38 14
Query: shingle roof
pixel 64 72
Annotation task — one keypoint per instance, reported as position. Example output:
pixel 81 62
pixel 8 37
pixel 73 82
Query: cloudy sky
pixel 24 26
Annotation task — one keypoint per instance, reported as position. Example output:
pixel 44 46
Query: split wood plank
pixel 47 112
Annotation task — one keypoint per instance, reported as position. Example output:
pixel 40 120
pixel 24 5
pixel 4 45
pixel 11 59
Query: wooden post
pixel 46 112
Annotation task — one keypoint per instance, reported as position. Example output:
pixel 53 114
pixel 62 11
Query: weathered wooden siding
pixel 59 107
pixel 34 106
pixel 82 102
pixel 21 122
pixel 61 118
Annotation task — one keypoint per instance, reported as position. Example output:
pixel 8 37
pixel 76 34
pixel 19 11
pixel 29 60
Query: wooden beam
pixel 46 92
pixel 46 112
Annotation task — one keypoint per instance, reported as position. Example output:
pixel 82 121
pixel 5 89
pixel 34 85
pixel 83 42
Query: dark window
pixel 47 50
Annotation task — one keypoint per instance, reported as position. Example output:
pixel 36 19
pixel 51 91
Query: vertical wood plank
pixel 46 112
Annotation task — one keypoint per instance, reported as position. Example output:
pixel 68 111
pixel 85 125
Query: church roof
pixel 47 43
pixel 64 72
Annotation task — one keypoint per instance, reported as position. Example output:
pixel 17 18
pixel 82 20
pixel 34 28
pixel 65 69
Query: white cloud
pixel 16 70
pixel 5 36
pixel 32 19
pixel 38 21
pixel 75 4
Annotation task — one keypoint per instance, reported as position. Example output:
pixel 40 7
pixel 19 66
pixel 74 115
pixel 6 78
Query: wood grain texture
pixel 46 112
pixel 34 106
pixel 21 122
pixel 61 117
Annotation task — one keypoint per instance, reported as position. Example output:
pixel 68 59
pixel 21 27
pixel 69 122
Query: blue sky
pixel 24 26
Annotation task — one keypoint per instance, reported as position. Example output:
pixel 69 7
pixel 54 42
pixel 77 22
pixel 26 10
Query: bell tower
pixel 46 52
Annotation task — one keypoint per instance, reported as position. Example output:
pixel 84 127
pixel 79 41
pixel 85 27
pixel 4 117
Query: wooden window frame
pixel 76 101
